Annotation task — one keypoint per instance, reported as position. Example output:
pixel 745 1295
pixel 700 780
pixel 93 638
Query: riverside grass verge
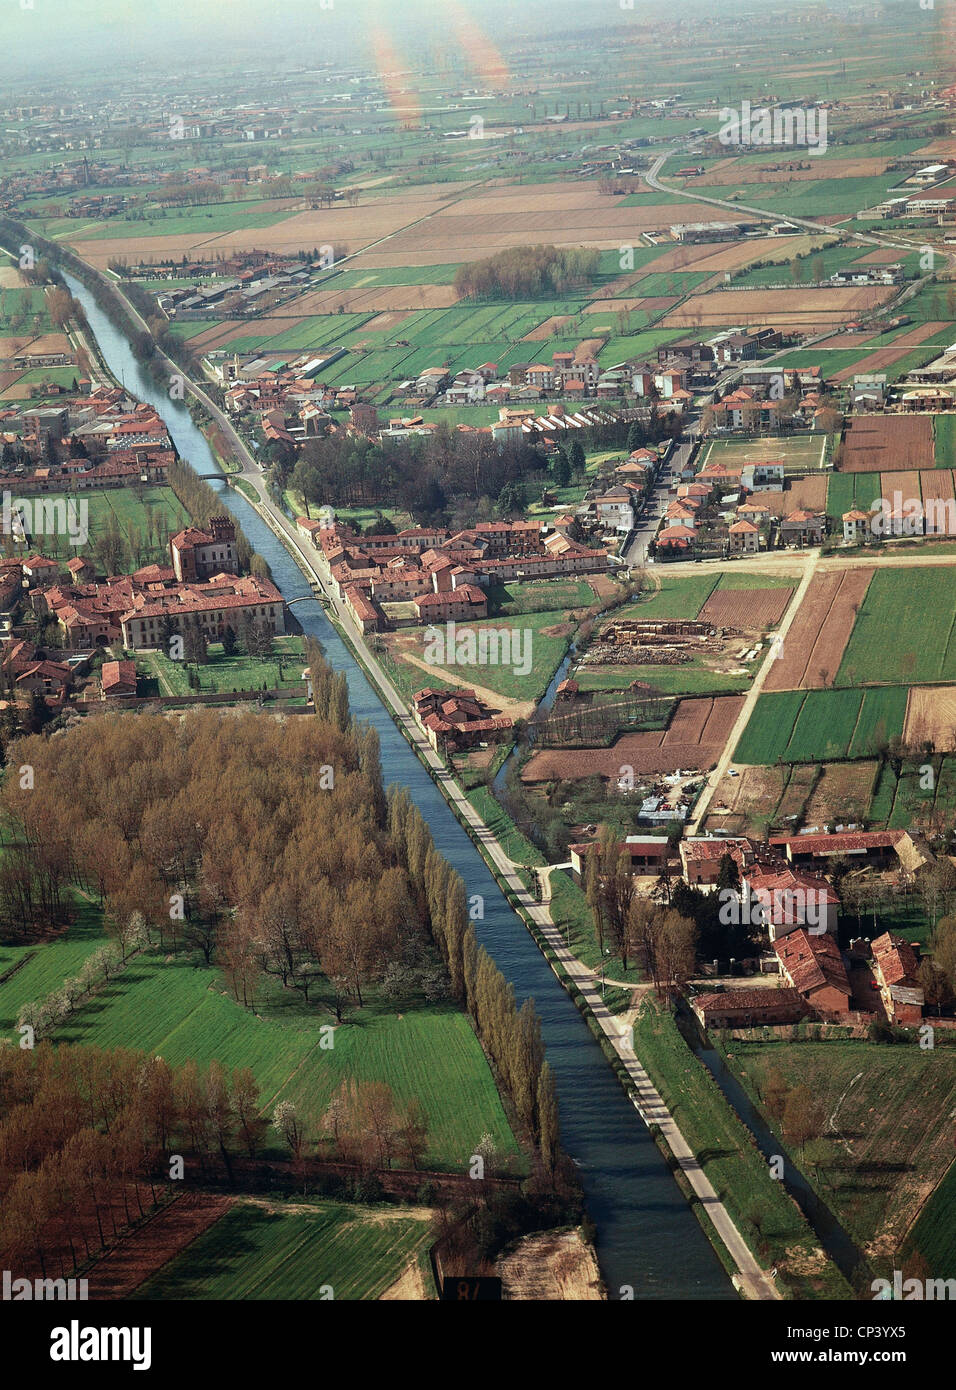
pixel 769 1220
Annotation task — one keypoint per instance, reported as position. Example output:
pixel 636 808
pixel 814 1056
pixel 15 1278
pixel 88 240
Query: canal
pixel 648 1239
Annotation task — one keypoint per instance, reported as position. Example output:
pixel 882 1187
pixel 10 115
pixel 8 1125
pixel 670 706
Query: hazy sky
pixel 49 37
pixel 54 34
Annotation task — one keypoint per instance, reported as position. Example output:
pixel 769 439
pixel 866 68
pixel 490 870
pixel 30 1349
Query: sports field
pixel 798 452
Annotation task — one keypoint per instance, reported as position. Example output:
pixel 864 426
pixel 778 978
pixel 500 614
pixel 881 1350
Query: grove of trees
pixel 527 272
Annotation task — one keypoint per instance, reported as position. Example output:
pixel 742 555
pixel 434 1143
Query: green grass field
pixel 677 597
pixel 933 1237
pixel 183 1011
pixel 546 652
pixel 221 672
pixel 690 678
pixel 541 595
pixel 47 964
pixel 253 1252
pixel 888 1134
pixel 848 490
pixel 154 512
pixel 944 435
pixel 903 633
pixel 212 218
pixel 20 308
pixel 821 725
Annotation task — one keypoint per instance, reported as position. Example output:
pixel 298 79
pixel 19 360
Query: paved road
pixel 809 224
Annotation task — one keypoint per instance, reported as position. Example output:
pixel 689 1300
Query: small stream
pixel 837 1243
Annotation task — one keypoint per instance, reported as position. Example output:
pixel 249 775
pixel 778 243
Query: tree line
pixel 86 1139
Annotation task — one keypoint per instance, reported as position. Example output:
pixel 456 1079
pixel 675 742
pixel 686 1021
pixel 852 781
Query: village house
pixel 211 605
pixel 896 970
pixel 857 525
pixel 813 965
pixel 803 528
pixel 117 678
pixel 744 537
pixel 46 678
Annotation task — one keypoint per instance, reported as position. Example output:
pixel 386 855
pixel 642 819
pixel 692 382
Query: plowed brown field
pixel 842 792
pixel 147 1249
pixel 877 442
pixel 786 307
pixel 810 492
pixel 751 610
pixel 695 739
pixel 906 484
pixel 937 485
pixel 931 715
pixel 820 631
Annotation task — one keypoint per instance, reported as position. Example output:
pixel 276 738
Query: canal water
pixel 648 1239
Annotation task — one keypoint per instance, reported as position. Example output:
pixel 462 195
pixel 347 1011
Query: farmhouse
pixel 749 1008
pixel 874 847
pixel 813 965
pixel 118 678
pixel 781 899
pixel 456 719
pixel 701 857
pixel 644 854
pixel 42 678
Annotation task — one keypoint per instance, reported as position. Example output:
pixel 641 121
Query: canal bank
pixel 648 1239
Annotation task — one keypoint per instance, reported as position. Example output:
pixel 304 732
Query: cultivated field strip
pixel 820 631
pixel 815 726
pixel 753 610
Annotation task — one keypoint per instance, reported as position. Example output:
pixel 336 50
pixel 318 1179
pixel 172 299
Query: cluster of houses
pixel 121 442
pixel 723 503
pixel 236 288
pixel 785 897
pixel 616 508
pixel 201 588
pixel 286 399
pixel 429 574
